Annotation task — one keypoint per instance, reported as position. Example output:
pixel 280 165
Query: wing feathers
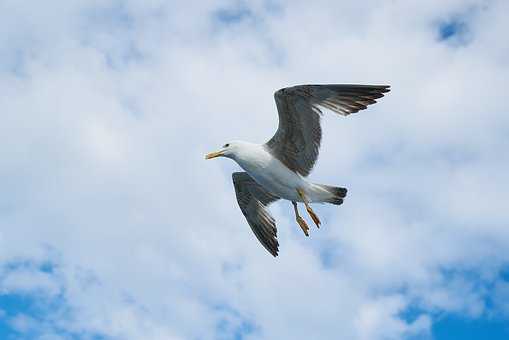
pixel 253 199
pixel 298 137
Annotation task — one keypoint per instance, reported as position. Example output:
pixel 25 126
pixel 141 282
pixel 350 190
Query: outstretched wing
pixel 297 140
pixel 253 199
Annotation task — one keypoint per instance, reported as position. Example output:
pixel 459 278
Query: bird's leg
pixel 300 220
pixel 308 208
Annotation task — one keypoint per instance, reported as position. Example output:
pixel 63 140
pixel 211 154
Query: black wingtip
pixel 275 251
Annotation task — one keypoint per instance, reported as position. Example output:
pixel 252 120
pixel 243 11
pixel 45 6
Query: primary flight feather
pixel 277 169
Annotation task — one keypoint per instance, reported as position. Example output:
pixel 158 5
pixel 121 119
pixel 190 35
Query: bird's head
pixel 228 150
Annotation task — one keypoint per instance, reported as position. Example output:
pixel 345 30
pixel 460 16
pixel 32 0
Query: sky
pixel 113 226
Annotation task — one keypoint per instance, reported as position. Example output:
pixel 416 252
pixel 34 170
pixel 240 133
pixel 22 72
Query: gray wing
pixel 253 199
pixel 297 139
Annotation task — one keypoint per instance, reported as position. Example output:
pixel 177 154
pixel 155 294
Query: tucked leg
pixel 308 208
pixel 300 220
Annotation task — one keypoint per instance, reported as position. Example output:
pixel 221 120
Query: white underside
pixel 275 177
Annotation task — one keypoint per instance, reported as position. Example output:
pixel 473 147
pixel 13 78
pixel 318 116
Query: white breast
pixel 269 172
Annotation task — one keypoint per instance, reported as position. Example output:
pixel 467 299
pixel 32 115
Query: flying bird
pixel 278 169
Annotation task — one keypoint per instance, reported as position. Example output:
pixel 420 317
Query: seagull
pixel 278 169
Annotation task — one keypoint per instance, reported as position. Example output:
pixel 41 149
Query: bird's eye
pixel 226 145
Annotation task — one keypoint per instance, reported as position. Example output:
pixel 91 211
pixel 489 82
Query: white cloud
pixel 108 110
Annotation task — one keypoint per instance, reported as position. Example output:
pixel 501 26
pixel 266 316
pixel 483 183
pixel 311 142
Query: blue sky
pixel 112 226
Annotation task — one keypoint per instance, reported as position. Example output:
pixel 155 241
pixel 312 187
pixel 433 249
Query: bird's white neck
pixel 249 155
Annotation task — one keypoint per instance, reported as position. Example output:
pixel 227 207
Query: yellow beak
pixel 213 154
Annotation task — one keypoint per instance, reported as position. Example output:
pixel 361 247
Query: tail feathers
pixel 337 194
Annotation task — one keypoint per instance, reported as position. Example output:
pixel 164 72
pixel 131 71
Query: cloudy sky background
pixel 112 225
